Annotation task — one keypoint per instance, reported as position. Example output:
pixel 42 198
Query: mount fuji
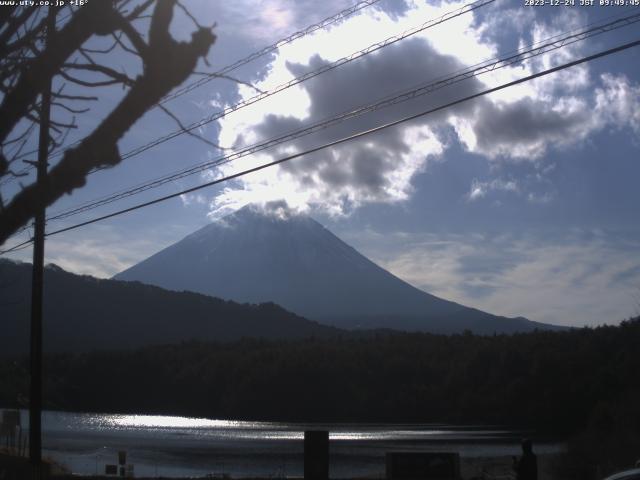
pixel 255 256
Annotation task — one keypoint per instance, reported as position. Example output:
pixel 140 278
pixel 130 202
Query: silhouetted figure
pixel 527 467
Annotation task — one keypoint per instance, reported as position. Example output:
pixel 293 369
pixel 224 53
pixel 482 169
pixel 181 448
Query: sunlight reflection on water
pixel 247 430
pixel 174 446
pixel 159 421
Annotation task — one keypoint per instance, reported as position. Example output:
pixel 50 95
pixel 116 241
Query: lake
pixel 180 447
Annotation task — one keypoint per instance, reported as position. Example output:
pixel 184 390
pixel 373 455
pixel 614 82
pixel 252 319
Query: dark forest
pixel 553 381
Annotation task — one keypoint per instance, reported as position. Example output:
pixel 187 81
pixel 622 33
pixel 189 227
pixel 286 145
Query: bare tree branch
pixel 24 40
pixel 93 18
pixel 87 83
pixel 109 72
pixel 139 10
pixel 62 125
pixel 188 14
pixel 134 37
pixel 167 63
pixel 119 42
pixel 188 131
pixel 231 79
pixel 14 24
pixel 75 97
pixel 70 109
pixel 109 49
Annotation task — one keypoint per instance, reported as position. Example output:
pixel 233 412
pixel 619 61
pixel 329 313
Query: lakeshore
pixel 486 468
pixel 180 447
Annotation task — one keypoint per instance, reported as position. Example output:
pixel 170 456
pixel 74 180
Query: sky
pixel 521 203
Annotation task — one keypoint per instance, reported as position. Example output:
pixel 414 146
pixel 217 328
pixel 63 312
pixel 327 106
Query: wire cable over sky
pixel 356 55
pixel 349 138
pixel 271 48
pixel 309 75
pixel 469 7
pixel 296 81
pixel 227 69
pixel 525 53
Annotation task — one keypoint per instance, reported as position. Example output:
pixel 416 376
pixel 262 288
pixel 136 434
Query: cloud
pixel 577 278
pixel 378 168
pixel 193 199
pixel 526 128
pixel 540 198
pixel 101 250
pixel 520 124
pixel 481 189
pixel 617 102
pixel 267 21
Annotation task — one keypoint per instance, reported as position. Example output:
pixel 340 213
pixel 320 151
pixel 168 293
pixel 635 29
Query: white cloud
pixel 266 21
pixel 618 102
pixel 519 124
pixel 540 198
pixel 481 189
pixel 576 279
pixel 376 169
pixel 102 250
pixel 193 199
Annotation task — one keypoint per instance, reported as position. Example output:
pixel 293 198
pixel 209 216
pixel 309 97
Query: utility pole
pixel 35 396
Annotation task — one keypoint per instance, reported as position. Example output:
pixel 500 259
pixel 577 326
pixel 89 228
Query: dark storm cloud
pixel 393 69
pixel 516 124
pixel 521 128
pixel 365 165
pixel 526 124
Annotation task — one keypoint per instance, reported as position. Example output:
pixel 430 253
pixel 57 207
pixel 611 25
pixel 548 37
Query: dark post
pixel 316 455
pixel 35 396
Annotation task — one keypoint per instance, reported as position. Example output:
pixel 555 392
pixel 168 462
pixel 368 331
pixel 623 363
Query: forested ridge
pixel 83 313
pixel 551 381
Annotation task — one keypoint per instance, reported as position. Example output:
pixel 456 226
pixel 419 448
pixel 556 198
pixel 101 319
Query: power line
pixel 557 42
pixel 355 136
pixel 307 76
pixel 227 69
pixel 18 247
pixel 302 78
pixel 27 169
pixel 343 140
pixel 271 48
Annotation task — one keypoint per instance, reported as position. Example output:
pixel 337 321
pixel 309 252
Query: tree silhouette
pixel 27 64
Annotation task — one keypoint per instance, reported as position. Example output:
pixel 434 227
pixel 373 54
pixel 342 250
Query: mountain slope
pixel 251 256
pixel 83 313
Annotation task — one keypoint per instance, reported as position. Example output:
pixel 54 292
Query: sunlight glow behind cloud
pixel 517 124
